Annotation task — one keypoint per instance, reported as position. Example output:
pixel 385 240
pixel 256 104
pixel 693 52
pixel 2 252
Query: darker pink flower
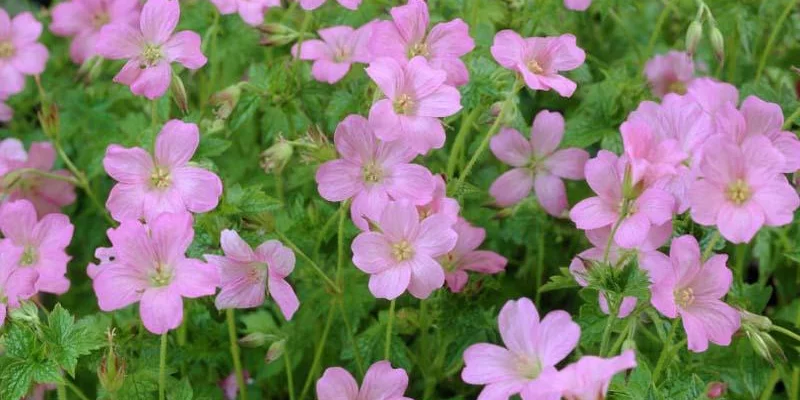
pixel 538 164
pixel 407 36
pixel 251 11
pixel 48 195
pixel 151 48
pixel 693 289
pixel 151 267
pixel 669 73
pixel 465 256
pixel 577 5
pixel 416 97
pixel 247 274
pixel 402 254
pixel 539 59
pixel 440 203
pixel 314 4
pixel 742 188
pixel 371 172
pixel 20 53
pixel 41 242
pixel 230 387
pixel 381 382
pixel 533 348
pixel 340 47
pixel 83 19
pixel 589 377
pixel 15 283
pixel 167 182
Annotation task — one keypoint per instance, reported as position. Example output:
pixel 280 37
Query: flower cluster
pixel 20 55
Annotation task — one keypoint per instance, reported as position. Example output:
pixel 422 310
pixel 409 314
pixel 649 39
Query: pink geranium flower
pixel 42 243
pixel 669 73
pixel 692 288
pixel 83 19
pixel 649 206
pixel 440 203
pixel 314 4
pixel 340 47
pixel 251 11
pixel 589 377
pixel 246 275
pixel 151 48
pixel 416 97
pixel 381 382
pixel 150 185
pixel 533 348
pixel 371 172
pixel 230 387
pixel 15 283
pixel 402 255
pixel 711 94
pixel 465 256
pixel 151 267
pixel 6 112
pixel 20 53
pixel 742 188
pixel 407 36
pixel 577 5
pixel 48 195
pixel 539 59
pixel 538 164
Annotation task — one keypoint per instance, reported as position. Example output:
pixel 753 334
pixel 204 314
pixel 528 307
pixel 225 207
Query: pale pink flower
pixel 577 5
pixel 589 377
pixel 742 188
pixel 465 256
pixel 247 275
pixel 538 164
pixel 407 36
pixel 106 255
pixel 15 283
pixel 42 242
pixel 20 53
pixel 314 4
pixel 48 195
pixel 340 47
pixel 371 172
pixel 669 73
pixel 167 182
pixel 440 203
pixel 6 112
pixel 151 267
pixel 533 348
pixel 230 387
pixel 540 59
pixel 416 97
pixel 650 157
pixel 381 382
pixel 402 255
pixel 151 48
pixel 649 207
pixel 692 289
pixel 251 11
pixel 712 94
pixel 82 20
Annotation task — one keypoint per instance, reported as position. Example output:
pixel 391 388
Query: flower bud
pixel 255 339
pixel 275 351
pixel 693 36
pixel 179 93
pixel 225 101
pixel 628 344
pixel 27 312
pixel 277 156
pixel 717 43
pixel 716 390
pixel 111 371
pixel 764 344
pixel 49 119
pixel 759 322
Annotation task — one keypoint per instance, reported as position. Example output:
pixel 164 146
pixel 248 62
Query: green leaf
pixel 181 391
pixel 563 281
pixel 15 379
pixel 66 341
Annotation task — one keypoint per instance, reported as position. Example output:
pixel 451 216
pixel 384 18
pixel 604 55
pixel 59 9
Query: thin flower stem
pixel 61 390
pixel 774 377
pixel 356 353
pixel 307 15
pixel 607 250
pixel 657 29
pixel 154 116
pixel 289 374
pixel 626 333
pixel 786 332
pixel 324 231
pixel 235 353
pixel 311 262
pixel 318 354
pixel 48 175
pixel 539 265
pixel 773 36
pixel 75 390
pixel 340 243
pixel 613 309
pixel 387 346
pixel 711 244
pixel 666 350
pixel 466 123
pixel 162 368
pixel 83 183
pixel 790 119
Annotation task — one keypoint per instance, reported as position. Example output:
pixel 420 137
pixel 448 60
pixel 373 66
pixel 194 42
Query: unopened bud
pixel 111 371
pixel 273 28
pixel 693 36
pixel 225 101
pixel 717 43
pixel 277 156
pixel 275 351
pixel 255 339
pixel 764 344
pixel 628 344
pixel 716 390
pixel 179 93
pixel 759 322
pixel 49 119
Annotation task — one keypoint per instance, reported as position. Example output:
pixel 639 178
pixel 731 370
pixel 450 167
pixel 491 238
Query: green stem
pixel 301 37
pixel 289 375
pixel 235 353
pixel 311 262
pixel 162 368
pixel 154 116
pixel 340 242
pixel 613 308
pixel 786 332
pixel 772 37
pixel 789 120
pixel 356 353
pixel 466 123
pixel 625 204
pixel 279 190
pixel 61 391
pixel 666 350
pixel 774 377
pixel 387 346
pixel 626 333
pixel 657 29
pixel 711 244
pixel 539 265
pixel 48 175
pixel 318 354
pixel 83 183
pixel 75 390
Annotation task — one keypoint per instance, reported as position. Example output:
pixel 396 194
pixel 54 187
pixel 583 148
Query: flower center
pixel 677 87
pixel 258 272
pixel 162 276
pixel 529 368
pixel 419 49
pixel 341 55
pixel 402 251
pixel 534 67
pixel 160 178
pixel 738 192
pixel 151 55
pixel 403 104
pixel 29 257
pixel 6 49
pixel 448 262
pixel 372 172
pixel 100 19
pixel 684 297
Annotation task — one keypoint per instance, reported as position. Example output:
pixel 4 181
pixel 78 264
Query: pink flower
pixel 402 255
pixel 651 157
pixel 48 195
pixel 314 4
pixel 648 206
pixel 151 48
pixel 6 112
pixel 589 377
pixel 577 5
pixel 148 186
pixel 537 163
pixel 15 283
pixel 440 203
pixel 539 59
pixel 669 73
pixel 692 289
pixel 742 189
pixel 371 172
pixel 251 11
pixel 83 19
pixel 247 274
pixel 230 387
pixel 712 94
pixel 407 36
pixel 417 96
pixel 533 348
pixel 151 267
pixel 381 382
pixel 340 47
pixel 20 53
pixel 42 243
pixel 465 256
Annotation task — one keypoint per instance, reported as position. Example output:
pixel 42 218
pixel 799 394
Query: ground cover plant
pixel 392 199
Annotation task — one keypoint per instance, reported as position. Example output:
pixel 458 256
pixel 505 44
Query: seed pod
pixel 275 351
pixel 277 156
pixel 225 101
pixel 717 43
pixel 179 93
pixel 693 36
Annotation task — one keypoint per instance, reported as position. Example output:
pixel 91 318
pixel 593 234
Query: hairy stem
pixel 162 368
pixel 289 375
pixel 318 354
pixel 349 328
pixel 773 36
pixel 78 392
pixel 387 346
pixel 710 246
pixel 461 137
pixel 235 353
pixel 657 29
pixel 613 309
pixel 666 350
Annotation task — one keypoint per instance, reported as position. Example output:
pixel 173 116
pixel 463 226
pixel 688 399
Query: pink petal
pixel 443 102
pixel 714 320
pixel 336 383
pixel 194 278
pixel 235 247
pixel 161 308
pixel 312 50
pixel 706 199
pixel 25 29
pixel 354 140
pixel 200 189
pixel 411 20
pixel 328 71
pixel 53 232
pixel 486 363
pixel 31 59
pixel 593 213
pixel 390 283
pixel 426 276
pixel 546 132
pixel 225 7
pixel 241 292
pixel 281 259
pixel 284 296
pixel 421 133
pixel 788 144
pixel 558 335
pixel 450 39
pixel 778 200
pixel 567 163
pixel 632 230
pixel 387 42
pixel 157 202
pixel 368 205
pixel 551 193
pixel 385 122
pixel 339 180
pixel 560 84
pixel 510 147
pixel 171 234
pixel 176 143
pixel 252 13
pixel 399 221
pixel 457 73
pixel 508 48
pixel 69 18
pixel 519 326
pixel 656 204
pixel 577 5
pixel 485 262
pixel 119 41
pixel 154 81
pixel 685 255
pixel 762 118
pixel 118 286
pixel 131 166
pixel 384 382
pixel 372 253
pixel 159 19
pixel 18 221
pixel 311 5
pixel 714 279
pixel 511 187
pixel 129 73
pixel 11 80
pixel 760 159
pixel 6 112
pixel 603 176
pixel 20 285
pixel 126 201
pixel 410 181
pixel 350 4
pixel 5 23
pixel 739 224
pixel 567 55
pixel 421 79
pixel 184 48
pixel 435 237
pixel 388 74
